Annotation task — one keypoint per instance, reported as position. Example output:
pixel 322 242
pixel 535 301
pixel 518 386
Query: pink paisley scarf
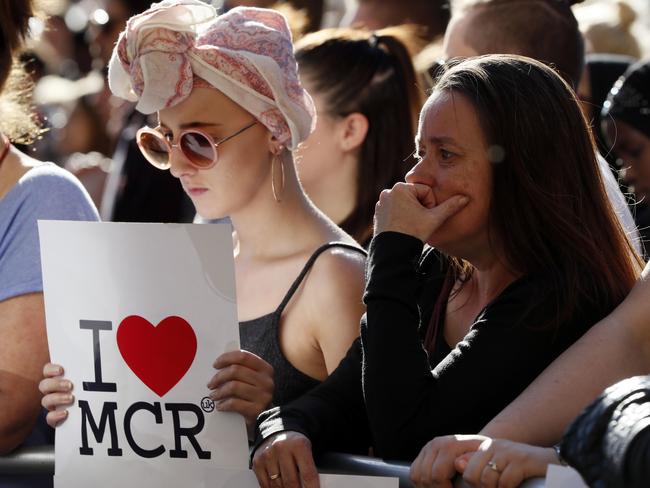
pixel 246 53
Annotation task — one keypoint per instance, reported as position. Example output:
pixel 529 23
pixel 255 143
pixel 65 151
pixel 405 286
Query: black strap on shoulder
pixel 310 263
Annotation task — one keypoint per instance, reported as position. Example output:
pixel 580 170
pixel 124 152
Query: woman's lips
pixel 195 191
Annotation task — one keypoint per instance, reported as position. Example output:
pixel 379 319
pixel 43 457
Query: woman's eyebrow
pixel 442 140
pixel 192 125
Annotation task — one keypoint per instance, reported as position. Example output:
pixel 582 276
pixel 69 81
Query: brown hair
pixel 358 71
pixel 433 15
pixel 545 30
pixel 17 121
pixel 549 211
pixel 14 19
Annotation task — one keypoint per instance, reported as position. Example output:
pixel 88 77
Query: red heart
pixel 158 355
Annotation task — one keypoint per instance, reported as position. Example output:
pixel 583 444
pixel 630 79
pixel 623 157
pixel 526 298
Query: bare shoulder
pixel 336 281
pixel 340 266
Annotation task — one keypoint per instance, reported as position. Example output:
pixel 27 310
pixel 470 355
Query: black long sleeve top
pixel 609 442
pixel 388 393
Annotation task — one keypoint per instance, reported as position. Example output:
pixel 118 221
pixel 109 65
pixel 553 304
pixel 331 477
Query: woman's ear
pixel 353 131
pixel 275 147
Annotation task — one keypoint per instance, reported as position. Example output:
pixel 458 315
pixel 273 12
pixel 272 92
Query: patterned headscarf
pixel 246 53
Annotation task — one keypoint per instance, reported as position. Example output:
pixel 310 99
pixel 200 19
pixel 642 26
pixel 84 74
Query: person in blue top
pixel 30 190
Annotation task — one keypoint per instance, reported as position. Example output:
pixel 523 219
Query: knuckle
pixel 310 476
pixel 226 404
pixel 292 483
pixel 415 476
pixel 45 402
pixel 257 461
pixel 239 356
pixel 485 478
pixel 269 369
pixel 278 446
pixel 437 472
pixel 265 401
pixel 303 443
pixel 232 388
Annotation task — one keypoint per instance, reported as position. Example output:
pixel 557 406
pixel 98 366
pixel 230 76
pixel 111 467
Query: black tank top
pixel 261 336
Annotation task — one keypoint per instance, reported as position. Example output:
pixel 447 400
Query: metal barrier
pixel 40 460
pixel 28 460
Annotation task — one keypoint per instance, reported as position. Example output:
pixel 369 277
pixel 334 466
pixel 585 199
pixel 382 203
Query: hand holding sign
pixel 57 393
pixel 243 384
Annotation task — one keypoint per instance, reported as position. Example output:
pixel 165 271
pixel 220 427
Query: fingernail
pixel 463 200
pixel 67 385
pixel 462 464
pixel 68 398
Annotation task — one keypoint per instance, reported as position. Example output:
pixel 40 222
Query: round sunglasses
pixel 198 147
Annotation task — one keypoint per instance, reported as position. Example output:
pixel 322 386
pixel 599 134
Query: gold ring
pixel 493 466
pixel 274 476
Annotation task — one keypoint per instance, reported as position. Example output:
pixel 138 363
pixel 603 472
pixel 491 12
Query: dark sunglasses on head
pixel 198 147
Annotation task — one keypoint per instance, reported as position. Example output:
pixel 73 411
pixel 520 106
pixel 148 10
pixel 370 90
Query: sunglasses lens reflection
pixel 198 148
pixel 155 150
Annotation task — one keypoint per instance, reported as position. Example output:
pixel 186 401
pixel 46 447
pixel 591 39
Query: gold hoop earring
pixel 278 198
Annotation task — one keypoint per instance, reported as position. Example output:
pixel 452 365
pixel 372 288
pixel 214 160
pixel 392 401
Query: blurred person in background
pixel 626 124
pixel 134 190
pixel 607 27
pixel 313 9
pixel 77 133
pixel 431 15
pixel 367 100
pixel 29 190
pixel 600 73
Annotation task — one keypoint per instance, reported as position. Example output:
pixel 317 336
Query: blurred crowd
pixel 91 133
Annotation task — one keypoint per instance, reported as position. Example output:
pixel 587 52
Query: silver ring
pixel 274 476
pixel 493 466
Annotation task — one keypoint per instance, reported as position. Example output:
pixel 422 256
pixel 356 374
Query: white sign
pixel 137 314
pixel 563 477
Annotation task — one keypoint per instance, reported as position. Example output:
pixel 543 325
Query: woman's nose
pixel 179 165
pixel 421 173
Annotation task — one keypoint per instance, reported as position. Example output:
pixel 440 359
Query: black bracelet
pixel 556 448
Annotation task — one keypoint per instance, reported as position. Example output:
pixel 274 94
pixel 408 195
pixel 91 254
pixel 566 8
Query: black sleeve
pixel 609 442
pixel 332 415
pixel 406 402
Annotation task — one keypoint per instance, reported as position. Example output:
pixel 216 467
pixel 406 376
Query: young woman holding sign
pixel 231 109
